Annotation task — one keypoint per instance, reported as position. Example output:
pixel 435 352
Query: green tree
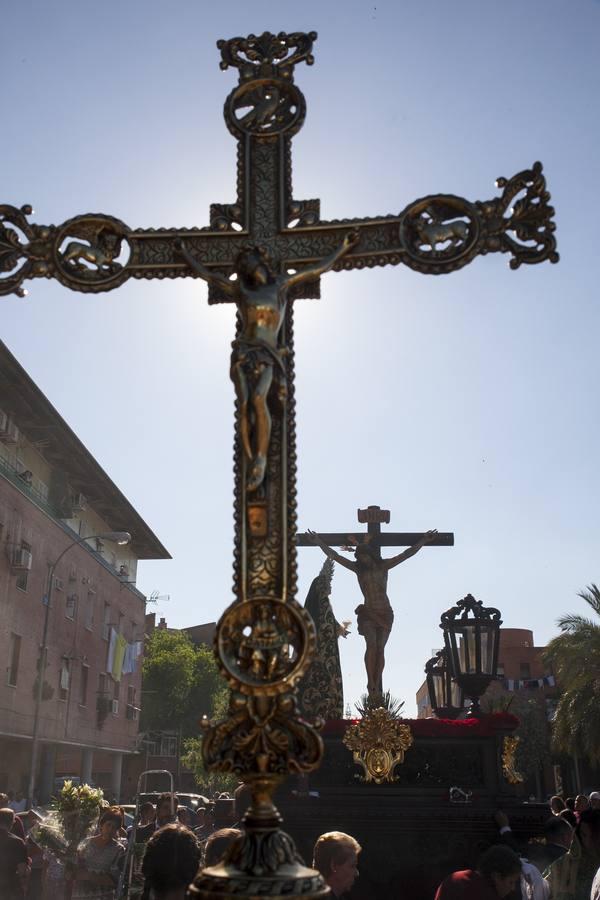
pixel 180 682
pixel 575 659
pixel 209 782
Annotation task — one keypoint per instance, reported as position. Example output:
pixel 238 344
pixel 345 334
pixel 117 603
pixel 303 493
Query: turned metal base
pixel 260 865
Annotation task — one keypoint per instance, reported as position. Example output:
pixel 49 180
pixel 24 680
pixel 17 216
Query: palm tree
pixel 575 659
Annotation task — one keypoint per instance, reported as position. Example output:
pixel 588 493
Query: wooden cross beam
pixel 374 517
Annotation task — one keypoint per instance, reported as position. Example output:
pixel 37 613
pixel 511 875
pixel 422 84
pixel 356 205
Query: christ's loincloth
pixel 368 618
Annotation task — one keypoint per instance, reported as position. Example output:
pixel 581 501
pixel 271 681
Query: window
pixel 13 659
pixel 131 694
pixel 168 745
pixel 102 684
pixel 21 580
pixel 89 610
pixel 64 680
pixel 524 670
pixel 83 685
pixel 71 606
pixel 116 689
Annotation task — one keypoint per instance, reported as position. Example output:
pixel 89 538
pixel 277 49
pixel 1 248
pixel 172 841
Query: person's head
pixel 200 816
pixel 7 818
pixel 109 823
pixel 171 860
pixel 166 807
pixel 3 801
pixel 183 814
pixel 569 816
pixel 218 843
pixel 557 804
pixel 570 802
pixel 146 813
pixel 581 803
pixel 588 831
pixel 558 831
pixel 501 867
pixel 253 266
pixel 594 799
pixel 335 855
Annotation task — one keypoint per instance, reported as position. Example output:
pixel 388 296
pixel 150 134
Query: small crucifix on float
pixel 375 616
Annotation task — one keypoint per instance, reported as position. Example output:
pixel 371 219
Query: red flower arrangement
pixel 485 726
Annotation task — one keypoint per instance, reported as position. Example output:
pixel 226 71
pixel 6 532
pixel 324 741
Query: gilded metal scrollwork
pixel 378 743
pixel 509 759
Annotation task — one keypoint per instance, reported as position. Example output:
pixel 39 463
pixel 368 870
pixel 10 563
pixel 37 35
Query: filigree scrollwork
pixel 87 251
pixel 254 54
pixel 303 213
pixel 265 645
pixel 25 249
pixel 225 216
pixel 442 233
pixel 261 735
pixel 530 219
pixel 265 107
pixel 378 743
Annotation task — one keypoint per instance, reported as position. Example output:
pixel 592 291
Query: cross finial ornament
pixel 263 250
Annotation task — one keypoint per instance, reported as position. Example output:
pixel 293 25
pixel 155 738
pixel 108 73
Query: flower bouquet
pixel 75 812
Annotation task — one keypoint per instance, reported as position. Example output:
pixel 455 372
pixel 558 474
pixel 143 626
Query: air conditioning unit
pixel 3 423
pixel 79 503
pixel 133 712
pixel 11 435
pixel 22 559
pixel 114 708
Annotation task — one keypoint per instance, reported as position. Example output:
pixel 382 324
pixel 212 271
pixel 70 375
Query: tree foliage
pixel 575 659
pixel 209 782
pixel 180 683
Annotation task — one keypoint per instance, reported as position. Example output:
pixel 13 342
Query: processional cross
pixel 263 251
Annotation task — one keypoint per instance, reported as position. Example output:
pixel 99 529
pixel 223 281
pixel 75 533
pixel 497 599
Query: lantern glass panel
pixel 488 641
pixel 456 696
pixel 467 652
pixel 438 687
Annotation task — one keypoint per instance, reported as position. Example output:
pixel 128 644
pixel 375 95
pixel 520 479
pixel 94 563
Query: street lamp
pixel 472 638
pixel 445 695
pixel 121 538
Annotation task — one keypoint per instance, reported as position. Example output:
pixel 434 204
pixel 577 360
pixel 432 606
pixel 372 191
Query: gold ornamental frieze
pixel 378 743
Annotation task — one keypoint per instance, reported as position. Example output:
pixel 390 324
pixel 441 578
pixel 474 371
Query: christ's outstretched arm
pixel 225 284
pixel 427 538
pixel 320 268
pixel 328 551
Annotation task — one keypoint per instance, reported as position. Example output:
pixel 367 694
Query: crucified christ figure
pixel 375 616
pixel 257 360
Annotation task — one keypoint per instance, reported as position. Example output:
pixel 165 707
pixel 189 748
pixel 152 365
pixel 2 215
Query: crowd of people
pixel 561 863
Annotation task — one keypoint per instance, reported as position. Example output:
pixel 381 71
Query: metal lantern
pixel 445 694
pixel 472 638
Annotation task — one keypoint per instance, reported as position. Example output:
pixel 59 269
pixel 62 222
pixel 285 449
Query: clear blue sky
pixel 467 402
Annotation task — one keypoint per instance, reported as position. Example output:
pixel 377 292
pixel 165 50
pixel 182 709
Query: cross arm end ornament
pixel 441 233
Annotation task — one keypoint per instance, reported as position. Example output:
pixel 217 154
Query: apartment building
pixel 53 495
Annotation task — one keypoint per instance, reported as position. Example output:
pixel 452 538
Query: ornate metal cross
pixel 263 251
